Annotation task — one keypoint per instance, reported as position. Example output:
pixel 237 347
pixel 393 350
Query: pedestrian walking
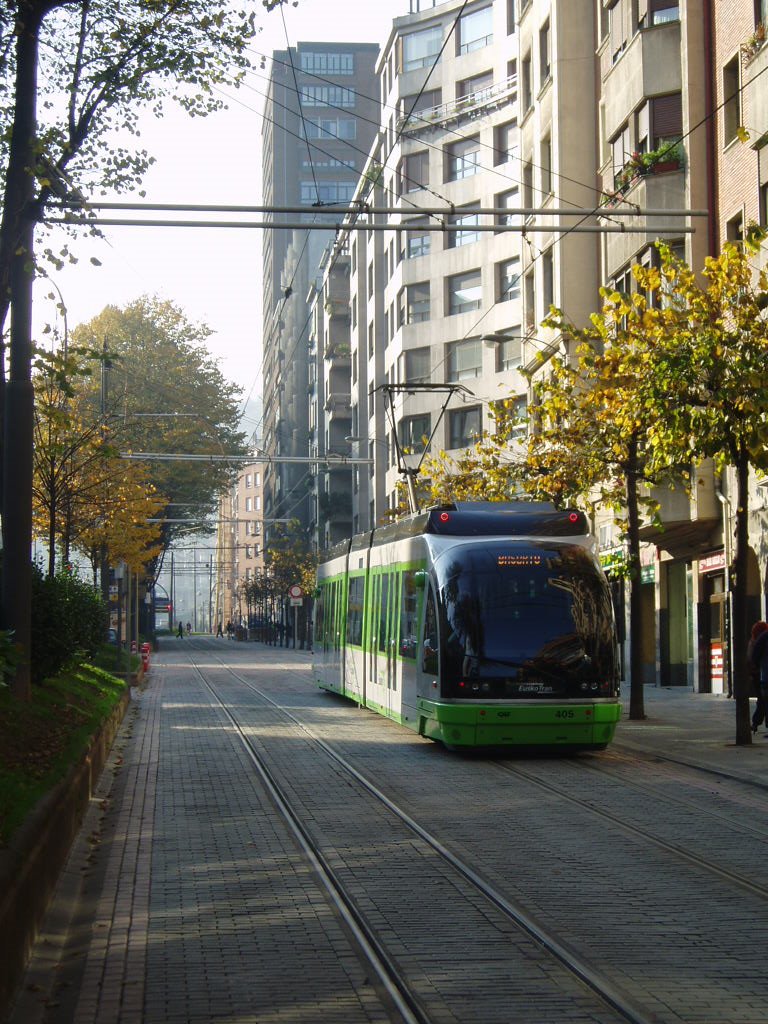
pixel 189 628
pixel 180 631
pixel 230 629
pixel 219 630
pixel 757 657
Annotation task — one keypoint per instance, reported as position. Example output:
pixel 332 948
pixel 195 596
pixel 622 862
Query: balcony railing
pixel 473 105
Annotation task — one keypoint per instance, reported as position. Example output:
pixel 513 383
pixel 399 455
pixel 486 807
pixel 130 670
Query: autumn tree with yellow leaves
pixel 711 389
pixel 84 496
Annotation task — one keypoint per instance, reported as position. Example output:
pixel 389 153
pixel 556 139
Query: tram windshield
pixel 524 621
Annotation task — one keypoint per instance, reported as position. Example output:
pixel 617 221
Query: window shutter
pixel 642 12
pixel 668 116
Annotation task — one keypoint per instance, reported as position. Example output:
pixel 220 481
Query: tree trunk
pixel 18 231
pixel 740 626
pixel 636 692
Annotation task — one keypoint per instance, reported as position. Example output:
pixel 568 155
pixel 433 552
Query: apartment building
pixel 439 314
pixel 240 542
pixel 321 114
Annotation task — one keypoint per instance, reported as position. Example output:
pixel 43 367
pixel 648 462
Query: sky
pixel 213 275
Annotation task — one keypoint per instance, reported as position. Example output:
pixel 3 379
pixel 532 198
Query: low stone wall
pixel 31 864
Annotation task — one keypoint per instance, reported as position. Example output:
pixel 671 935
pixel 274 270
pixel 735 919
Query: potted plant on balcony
pixel 668 157
pixel 755 42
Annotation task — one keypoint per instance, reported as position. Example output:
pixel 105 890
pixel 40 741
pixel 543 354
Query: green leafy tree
pixel 289 561
pixel 74 71
pixel 712 390
pixel 166 395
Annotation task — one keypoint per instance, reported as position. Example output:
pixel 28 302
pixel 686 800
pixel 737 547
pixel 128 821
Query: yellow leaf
pixel 742 134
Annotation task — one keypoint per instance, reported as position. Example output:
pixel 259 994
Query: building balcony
pixel 338 351
pixel 477 104
pixel 339 403
pixel 663 190
pixel 650 66
pixel 756 95
pixel 338 308
pixel 689 523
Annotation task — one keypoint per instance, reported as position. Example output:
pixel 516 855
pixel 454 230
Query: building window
pixel 505 142
pixel 327 96
pixel 509 200
pixel 411 106
pixel 508 279
pixel 731 100
pixel 414 431
pixel 327 191
pixel 417 243
pixel 420 101
pixel 418 366
pixel 663 11
pixel 464 426
pixel 468 223
pixel 327 63
pixel 249 504
pixel 465 359
pixel 248 480
pixel 519 416
pixel 465 292
pixel 414 172
pixel 667 118
pixel 547 280
pixel 620 149
pixel 462 159
pixel 529 301
pixel 734 228
pixel 546 166
pixel 331 128
pixel 419 49
pixel 545 59
pixel 620 21
pixel 475 30
pixel 509 351
pixel 417 302
pixel 528 184
pixel 476 88
pixel 526 83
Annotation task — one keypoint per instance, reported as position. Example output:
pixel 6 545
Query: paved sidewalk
pixel 170 833
pixel 699 728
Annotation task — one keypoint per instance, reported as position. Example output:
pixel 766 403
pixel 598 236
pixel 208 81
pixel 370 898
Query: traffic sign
pixel 295 591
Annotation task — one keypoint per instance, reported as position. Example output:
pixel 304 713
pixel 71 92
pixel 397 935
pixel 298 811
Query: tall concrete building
pixel 436 317
pixel 321 114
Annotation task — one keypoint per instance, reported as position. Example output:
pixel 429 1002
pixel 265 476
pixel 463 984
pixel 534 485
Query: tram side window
pixel 355 610
pixel 409 614
pixel 335 614
pixel 320 618
pixel 383 607
pixel 429 658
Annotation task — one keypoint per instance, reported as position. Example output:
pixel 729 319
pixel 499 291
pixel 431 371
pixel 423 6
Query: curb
pixel 31 864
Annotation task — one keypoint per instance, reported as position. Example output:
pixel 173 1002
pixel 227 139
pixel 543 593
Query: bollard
pixel 145 656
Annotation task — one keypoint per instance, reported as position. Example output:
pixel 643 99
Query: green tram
pixel 476 624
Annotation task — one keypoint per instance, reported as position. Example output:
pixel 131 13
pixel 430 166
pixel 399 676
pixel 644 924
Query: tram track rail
pixel 611 995
pixel 632 828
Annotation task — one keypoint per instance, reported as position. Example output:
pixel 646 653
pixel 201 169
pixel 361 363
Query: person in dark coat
pixel 757 656
pixel 180 630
